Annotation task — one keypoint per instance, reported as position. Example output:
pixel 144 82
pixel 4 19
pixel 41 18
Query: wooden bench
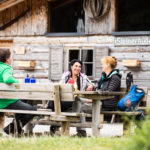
pixel 39 92
pixel 56 92
pixel 143 104
pixel 97 96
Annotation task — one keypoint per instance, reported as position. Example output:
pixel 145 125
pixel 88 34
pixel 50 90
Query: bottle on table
pixel 27 79
pixel 33 80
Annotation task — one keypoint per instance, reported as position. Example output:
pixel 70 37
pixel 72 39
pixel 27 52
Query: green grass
pixel 59 143
pixel 138 141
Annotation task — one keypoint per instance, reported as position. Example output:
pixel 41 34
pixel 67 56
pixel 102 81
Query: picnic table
pixel 97 97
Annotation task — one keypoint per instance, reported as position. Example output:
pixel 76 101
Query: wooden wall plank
pixel 99 53
pixel 14 27
pixel 32 56
pixel 140 56
pixel 36 73
pixel 28 19
pixel 1 23
pixel 21 20
pixel 34 16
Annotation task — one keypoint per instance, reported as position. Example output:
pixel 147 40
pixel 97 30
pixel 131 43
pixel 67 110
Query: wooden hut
pixel 44 35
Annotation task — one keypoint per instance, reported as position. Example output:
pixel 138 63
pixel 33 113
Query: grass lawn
pixel 59 143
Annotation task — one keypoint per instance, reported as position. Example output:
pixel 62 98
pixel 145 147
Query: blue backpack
pixel 131 99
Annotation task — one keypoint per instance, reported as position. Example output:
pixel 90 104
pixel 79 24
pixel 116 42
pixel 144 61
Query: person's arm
pixel 8 78
pixel 90 85
pixel 114 83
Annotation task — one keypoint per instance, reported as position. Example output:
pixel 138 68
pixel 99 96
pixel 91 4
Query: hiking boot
pixel 81 133
pixel 54 130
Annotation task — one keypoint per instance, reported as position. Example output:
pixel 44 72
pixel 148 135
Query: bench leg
pixel 126 127
pixel 29 128
pixel 65 127
pixel 112 119
pixel 2 120
pixel 96 117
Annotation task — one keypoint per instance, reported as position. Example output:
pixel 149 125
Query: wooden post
pixel 65 126
pixel 57 100
pixel 95 117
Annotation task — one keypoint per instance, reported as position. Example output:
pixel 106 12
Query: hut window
pixel 133 15
pixel 86 56
pixel 66 16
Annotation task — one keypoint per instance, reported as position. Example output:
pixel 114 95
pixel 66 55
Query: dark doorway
pixel 133 15
pixel 64 15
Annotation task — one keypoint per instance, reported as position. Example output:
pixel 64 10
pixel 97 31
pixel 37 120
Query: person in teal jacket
pixel 6 77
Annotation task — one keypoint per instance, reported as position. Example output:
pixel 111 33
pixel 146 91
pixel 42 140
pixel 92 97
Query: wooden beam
pixel 8 3
pixel 61 3
pixel 26 95
pixel 27 87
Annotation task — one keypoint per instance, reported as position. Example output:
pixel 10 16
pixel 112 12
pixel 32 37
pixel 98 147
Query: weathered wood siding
pixel 33 23
pixel 51 55
pixel 133 47
pixel 39 52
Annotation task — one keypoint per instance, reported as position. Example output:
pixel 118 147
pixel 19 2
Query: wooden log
pixel 27 64
pixel 40 65
pixel 131 63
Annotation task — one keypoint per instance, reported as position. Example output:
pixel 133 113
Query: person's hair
pixel 111 60
pixel 4 54
pixel 74 61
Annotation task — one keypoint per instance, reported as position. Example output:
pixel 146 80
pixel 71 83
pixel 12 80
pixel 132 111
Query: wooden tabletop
pixel 98 95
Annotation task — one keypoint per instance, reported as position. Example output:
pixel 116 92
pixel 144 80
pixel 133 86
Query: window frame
pixel 80 53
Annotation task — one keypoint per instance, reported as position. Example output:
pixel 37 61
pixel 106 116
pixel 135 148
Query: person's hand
pixel 89 101
pixel 90 87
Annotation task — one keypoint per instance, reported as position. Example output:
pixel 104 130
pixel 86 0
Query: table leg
pixel 96 117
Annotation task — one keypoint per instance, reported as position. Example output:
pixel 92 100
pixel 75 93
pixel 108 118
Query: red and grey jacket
pixel 83 81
